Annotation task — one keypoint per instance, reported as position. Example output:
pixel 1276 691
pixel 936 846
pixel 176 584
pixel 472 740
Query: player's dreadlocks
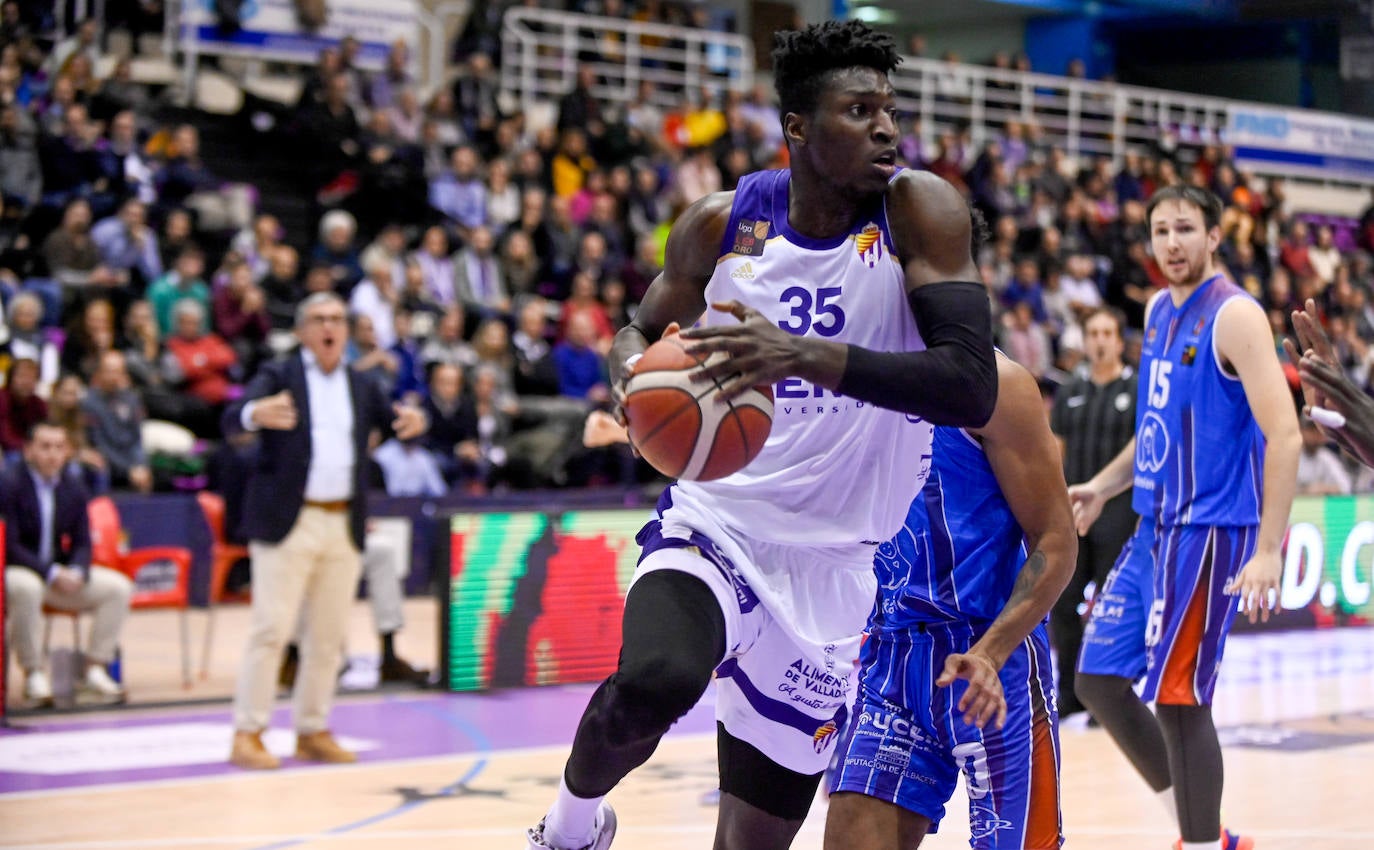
pixel 802 58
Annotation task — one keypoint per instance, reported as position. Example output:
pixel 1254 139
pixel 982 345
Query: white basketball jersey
pixel 834 470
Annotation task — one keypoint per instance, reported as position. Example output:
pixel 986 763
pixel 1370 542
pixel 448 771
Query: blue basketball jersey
pixel 958 555
pixel 1199 452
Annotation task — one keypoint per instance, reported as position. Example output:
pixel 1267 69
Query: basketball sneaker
pixel 601 838
pixel 1229 841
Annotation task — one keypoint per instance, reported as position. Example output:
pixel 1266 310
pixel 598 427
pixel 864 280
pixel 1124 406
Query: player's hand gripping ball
pixel 680 428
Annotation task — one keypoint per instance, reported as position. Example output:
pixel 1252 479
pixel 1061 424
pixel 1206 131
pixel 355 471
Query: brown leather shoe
pixel 321 746
pixel 249 753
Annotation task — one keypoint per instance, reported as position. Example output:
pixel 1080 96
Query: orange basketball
pixel 680 428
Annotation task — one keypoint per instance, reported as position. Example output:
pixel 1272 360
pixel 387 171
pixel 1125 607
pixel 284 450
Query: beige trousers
pixel 312 571
pixel 105 596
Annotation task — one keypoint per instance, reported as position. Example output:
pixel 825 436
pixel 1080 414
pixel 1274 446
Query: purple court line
pixel 511 719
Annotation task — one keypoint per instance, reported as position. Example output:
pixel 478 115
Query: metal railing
pixel 542 50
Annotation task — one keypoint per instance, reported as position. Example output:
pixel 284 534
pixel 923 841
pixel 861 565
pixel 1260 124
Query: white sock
pixel 571 820
pixel 1166 799
pixel 1201 845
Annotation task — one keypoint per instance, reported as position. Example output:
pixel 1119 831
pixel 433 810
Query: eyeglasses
pixel 325 320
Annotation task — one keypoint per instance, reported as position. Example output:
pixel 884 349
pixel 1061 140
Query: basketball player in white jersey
pixel 848 287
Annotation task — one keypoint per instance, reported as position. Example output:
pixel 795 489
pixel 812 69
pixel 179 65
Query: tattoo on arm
pixel 1027 579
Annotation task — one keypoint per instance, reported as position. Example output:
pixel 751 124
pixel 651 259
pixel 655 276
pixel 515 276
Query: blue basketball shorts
pixel 1191 613
pixel 908 742
pixel 1114 639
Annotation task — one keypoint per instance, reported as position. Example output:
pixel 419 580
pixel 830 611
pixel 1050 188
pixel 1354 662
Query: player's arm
pixel 952 382
pixel 1245 343
pixel 677 295
pixel 1024 456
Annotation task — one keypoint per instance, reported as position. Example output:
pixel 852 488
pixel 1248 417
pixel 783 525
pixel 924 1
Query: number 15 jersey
pixel 834 470
pixel 1199 453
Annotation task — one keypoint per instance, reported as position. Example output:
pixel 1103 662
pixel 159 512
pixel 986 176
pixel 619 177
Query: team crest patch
pixel 750 237
pixel 869 244
pixel 1189 355
pixel 822 737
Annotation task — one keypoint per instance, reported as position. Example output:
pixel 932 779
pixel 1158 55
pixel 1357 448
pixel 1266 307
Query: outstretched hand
pixel 410 421
pixel 983 700
pixel 758 352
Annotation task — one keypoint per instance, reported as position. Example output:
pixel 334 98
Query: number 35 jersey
pixel 834 470
pixel 1199 453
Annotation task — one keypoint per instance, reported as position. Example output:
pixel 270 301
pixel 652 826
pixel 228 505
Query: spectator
pixel 184 282
pixel 256 245
pixel 368 358
pixel 556 241
pixel 491 344
pixel 85 41
pixel 20 406
pixel 409 470
pixel 48 562
pixel 121 93
pixel 330 132
pixel 178 234
pixel 452 433
pixel 581 366
pixel 125 169
pixel 21 172
pixel 337 251
pixel 446 132
pixel 459 193
pixel 65 410
pixel 493 427
pixel 579 109
pixel 114 416
pixel 477 280
pixel 503 198
pixel 205 360
pixel 436 264
pixel 477 103
pixel 416 300
pixel 410 375
pixel 376 297
pixel 68 158
pixel 571 163
pixel 241 319
pixel 583 301
pixel 447 344
pixel 128 246
pixel 386 88
pixel 389 247
pixel 535 372
pixel 406 117
pixel 90 334
pixel 1324 257
pixel 520 264
pixel 1025 340
pixel 281 286
pixel 29 341
pixel 72 257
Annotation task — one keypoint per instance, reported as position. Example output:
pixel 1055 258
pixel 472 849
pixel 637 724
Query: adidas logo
pixel 744 272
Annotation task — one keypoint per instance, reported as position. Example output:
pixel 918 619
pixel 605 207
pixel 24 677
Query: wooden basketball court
pixel 472 771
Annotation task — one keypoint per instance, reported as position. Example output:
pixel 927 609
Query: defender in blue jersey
pixel 1213 466
pixel 958 638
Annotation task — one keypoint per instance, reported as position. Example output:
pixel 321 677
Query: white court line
pixel 487 832
pixel 246 776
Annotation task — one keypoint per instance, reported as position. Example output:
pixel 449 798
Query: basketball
pixel 680 428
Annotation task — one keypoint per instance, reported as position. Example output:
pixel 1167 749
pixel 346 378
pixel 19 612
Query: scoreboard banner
pixel 534 598
pixel 1301 142
pixel 270 30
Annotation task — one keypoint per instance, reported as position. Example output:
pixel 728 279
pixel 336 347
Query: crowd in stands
pixel 487 263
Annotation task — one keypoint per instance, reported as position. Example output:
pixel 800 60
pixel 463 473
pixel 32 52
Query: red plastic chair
pixel 223 556
pixel 109 548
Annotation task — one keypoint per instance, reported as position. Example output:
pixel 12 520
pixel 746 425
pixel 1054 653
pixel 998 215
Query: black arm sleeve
pixel 954 381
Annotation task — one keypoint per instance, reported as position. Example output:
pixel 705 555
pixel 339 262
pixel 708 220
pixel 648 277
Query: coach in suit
pixel 48 561
pixel 305 511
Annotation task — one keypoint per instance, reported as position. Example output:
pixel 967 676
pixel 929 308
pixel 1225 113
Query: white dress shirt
pixel 47 511
pixel 330 475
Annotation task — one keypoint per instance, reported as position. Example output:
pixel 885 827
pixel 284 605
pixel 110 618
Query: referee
pixel 1093 417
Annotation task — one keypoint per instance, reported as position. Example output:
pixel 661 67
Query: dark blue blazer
pixel 71 543
pixel 276 485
